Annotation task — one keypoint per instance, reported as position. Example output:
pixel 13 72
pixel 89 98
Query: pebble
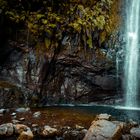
pixel 22 109
pixel 37 114
pixel 15 121
pixel 49 131
pixel 79 127
pixel 13 114
pixel 2 111
pixel 35 125
pixel 22 119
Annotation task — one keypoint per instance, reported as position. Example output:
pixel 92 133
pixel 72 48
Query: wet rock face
pixel 69 78
pixel 10 96
pixel 16 87
pixel 103 82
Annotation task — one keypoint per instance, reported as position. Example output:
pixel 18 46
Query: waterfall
pixel 132 53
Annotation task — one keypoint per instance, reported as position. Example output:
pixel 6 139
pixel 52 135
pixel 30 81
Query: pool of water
pixel 82 115
pixel 118 112
pixel 121 113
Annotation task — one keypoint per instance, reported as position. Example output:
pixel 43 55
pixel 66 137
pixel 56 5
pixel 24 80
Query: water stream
pixel 132 53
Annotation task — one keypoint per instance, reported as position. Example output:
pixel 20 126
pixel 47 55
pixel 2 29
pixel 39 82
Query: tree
pixel 49 20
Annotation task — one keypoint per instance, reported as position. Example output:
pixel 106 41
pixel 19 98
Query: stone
pixel 22 109
pixel 22 119
pixel 15 121
pixel 123 125
pixel 135 131
pixel 14 117
pixel 13 114
pixel 84 131
pixel 6 129
pixel 128 137
pixel 103 117
pixel 73 135
pixel 26 135
pixel 35 125
pixel 49 131
pixel 37 114
pixel 66 127
pixel 103 130
pixel 59 138
pixel 78 127
pixel 133 123
pixel 19 128
pixel 35 128
pixel 2 111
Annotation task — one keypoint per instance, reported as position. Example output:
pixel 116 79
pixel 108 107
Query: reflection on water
pixel 131 112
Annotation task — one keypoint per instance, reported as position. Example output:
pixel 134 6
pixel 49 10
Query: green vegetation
pixel 49 20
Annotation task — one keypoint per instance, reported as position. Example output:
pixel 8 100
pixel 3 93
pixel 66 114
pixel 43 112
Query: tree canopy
pixel 50 19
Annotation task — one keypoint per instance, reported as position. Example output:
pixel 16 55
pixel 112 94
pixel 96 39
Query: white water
pixel 132 53
pixel 126 108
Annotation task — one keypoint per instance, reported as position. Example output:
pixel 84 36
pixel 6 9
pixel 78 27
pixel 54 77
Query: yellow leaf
pixel 47 43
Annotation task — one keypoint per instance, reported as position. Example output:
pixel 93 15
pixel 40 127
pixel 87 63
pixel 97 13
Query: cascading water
pixel 132 53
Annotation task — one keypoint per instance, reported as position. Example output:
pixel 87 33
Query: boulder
pixel 6 129
pixel 135 131
pixel 19 128
pixel 103 130
pixel 49 131
pixel 26 135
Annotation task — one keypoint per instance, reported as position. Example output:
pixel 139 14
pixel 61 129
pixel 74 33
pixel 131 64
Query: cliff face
pixel 72 70
pixel 34 78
